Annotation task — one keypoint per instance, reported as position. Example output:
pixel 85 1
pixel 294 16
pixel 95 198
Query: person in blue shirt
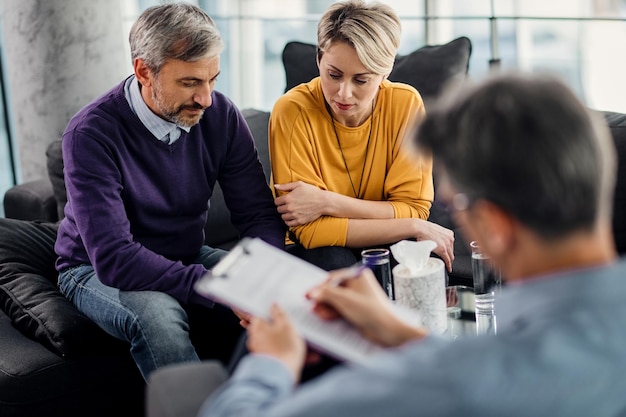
pixel 529 172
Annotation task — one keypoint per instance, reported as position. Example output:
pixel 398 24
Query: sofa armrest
pixel 32 200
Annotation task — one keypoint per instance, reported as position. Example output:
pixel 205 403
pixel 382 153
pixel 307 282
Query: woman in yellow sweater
pixel 343 177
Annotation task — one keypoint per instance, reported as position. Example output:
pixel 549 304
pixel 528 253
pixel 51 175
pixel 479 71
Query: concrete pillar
pixel 58 56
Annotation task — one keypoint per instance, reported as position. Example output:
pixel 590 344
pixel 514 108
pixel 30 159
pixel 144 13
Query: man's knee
pixel 155 313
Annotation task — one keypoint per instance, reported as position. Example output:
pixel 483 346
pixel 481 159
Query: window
pixel 580 40
pixel 7 173
pixel 572 38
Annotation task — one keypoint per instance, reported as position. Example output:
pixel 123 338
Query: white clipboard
pixel 255 274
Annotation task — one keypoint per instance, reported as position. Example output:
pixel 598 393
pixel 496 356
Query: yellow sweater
pixel 303 147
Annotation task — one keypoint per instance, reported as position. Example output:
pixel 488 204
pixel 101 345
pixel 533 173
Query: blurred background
pixel 57 55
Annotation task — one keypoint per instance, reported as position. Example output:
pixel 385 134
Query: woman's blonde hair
pixel 372 29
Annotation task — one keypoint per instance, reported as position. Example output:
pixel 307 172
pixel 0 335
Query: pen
pixel 355 272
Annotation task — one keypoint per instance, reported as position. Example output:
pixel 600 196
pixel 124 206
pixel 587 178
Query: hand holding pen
pixel 340 278
pixel 355 295
pixel 340 283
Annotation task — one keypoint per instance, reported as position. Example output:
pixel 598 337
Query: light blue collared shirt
pixel 560 351
pixel 163 130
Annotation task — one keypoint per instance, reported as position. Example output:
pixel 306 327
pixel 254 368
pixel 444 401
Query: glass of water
pixel 378 261
pixel 486 282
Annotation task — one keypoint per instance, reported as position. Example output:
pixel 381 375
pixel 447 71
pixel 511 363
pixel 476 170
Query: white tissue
pixel 420 282
pixel 413 255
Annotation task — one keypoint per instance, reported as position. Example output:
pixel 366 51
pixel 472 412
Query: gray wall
pixel 58 56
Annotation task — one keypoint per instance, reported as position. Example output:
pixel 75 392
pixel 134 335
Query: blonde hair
pixel 372 29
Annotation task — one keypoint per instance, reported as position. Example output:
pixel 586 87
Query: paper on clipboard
pixel 255 274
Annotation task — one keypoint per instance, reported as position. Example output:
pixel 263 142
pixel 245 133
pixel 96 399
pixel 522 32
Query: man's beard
pixel 175 115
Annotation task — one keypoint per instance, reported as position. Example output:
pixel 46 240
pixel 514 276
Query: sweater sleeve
pixel 408 183
pixel 296 156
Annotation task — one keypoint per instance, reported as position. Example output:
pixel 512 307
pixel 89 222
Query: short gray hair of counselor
pixel 178 31
pixel 373 30
pixel 527 144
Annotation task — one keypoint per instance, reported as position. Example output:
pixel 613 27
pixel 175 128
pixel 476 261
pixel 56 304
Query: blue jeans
pixel 154 323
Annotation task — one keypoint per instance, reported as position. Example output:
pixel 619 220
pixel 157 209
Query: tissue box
pixel 424 291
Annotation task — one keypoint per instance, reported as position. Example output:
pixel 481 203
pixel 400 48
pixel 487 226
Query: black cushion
pixel 218 230
pixel 54 164
pixel 427 69
pixel 257 121
pixel 300 63
pixel 29 294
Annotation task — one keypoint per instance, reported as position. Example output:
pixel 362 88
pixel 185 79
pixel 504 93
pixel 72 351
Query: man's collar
pixel 159 127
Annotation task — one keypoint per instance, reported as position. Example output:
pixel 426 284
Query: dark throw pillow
pixel 54 164
pixel 29 294
pixel 430 67
pixel 427 69
pixel 300 63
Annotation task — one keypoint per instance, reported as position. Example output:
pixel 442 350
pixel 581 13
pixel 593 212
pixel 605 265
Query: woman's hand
pixel 444 238
pixel 362 302
pixel 301 204
pixel 277 337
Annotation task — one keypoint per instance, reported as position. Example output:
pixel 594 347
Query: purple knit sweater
pixel 137 207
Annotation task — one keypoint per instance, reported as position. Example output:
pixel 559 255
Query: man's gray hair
pixel 527 144
pixel 174 31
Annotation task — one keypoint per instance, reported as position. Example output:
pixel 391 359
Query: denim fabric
pixel 154 323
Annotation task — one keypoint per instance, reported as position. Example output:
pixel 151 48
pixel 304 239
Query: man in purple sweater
pixel 141 163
